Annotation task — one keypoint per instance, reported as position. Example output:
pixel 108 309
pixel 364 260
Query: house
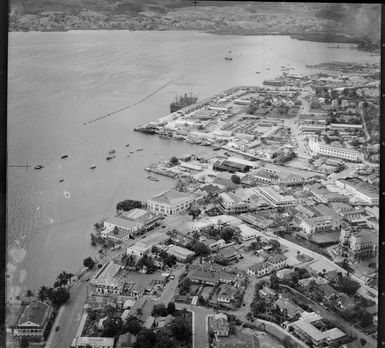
pixel 267 293
pixel 306 329
pixel 163 321
pixel 127 340
pixel 181 254
pixel 221 325
pixel 285 304
pixel 328 292
pixel 204 277
pixel 138 249
pixel 170 202
pixel 226 277
pixel 106 280
pixel 33 320
pixel 229 253
pixel 147 219
pixel 318 148
pixel 212 243
pixel 232 204
pixel 247 232
pixel 332 276
pixel 119 229
pixel 260 269
pixel 226 294
pixel 360 189
pixel 93 342
pixel 278 261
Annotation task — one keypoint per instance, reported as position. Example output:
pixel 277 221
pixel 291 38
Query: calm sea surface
pixel 58 81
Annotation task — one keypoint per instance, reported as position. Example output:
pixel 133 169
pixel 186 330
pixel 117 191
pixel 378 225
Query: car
pixel 87 279
pixel 163 226
pixel 100 265
pixel 57 328
pixel 172 277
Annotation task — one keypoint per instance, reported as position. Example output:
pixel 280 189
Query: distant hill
pixel 349 21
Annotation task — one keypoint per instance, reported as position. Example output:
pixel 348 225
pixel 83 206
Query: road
pixel 200 332
pixel 328 315
pixel 69 316
pixel 169 290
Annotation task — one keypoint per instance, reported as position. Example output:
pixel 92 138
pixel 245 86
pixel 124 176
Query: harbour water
pixel 59 81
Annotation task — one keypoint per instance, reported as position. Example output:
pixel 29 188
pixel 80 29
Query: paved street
pixel 69 316
pixel 170 287
pixel 200 335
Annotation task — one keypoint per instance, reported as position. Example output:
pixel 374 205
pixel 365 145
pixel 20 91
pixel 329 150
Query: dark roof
pixel 197 274
pixel 36 313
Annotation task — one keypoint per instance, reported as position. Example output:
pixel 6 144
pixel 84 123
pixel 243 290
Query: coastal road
pixel 69 316
pixel 200 332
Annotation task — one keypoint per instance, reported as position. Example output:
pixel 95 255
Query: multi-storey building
pixel 318 148
pixel 170 202
pixel 360 189
pixel 33 320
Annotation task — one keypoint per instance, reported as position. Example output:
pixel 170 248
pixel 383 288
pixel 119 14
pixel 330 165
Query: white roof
pixel 248 231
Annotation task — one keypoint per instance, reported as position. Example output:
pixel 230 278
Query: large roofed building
pixel 361 190
pixel 170 202
pixel 106 280
pixel 33 320
pixel 307 329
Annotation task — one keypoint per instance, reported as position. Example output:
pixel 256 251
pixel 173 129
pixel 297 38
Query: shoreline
pixel 309 37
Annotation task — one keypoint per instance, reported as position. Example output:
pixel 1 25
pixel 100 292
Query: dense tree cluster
pixel 200 249
pixel 89 262
pixel 128 204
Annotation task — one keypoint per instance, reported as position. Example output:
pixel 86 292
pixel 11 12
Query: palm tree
pixel 43 293
pixel 29 293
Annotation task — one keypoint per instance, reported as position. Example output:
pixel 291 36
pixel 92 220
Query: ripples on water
pixel 58 81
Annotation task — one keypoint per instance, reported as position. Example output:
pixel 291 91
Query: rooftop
pixel 36 313
pixel 106 276
pixel 171 197
pixel 124 223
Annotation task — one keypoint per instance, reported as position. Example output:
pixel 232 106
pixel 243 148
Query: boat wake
pixel 132 105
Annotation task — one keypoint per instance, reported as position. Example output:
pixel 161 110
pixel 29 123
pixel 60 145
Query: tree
pixel 29 293
pixel 129 261
pixel 145 339
pixel 276 246
pixel 171 308
pixel 274 281
pixel 163 340
pixel 112 327
pixel 174 161
pixel 194 212
pixel 184 286
pixel 24 343
pixel 89 262
pixel 128 205
pixel 199 248
pixel 43 293
pixel 63 279
pixel 362 341
pixel 227 233
pixel 236 179
pixel 159 310
pixel 365 319
pixel 180 328
pixel 133 325
pixel 59 296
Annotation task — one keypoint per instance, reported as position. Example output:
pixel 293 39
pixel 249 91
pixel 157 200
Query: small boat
pixel 139 149
pixel 112 152
pixel 268 69
pixel 61 180
pixel 229 56
pixel 93 166
pixel 127 145
pixel 131 151
pixel 216 148
pixel 128 155
pixel 64 156
pixel 109 158
pixel 152 178
pixel 39 166
pixel 257 72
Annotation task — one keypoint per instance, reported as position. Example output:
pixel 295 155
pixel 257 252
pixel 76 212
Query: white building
pixel 318 148
pixel 106 281
pixel 138 249
pixel 361 190
pixel 247 232
pixel 271 194
pixel 170 202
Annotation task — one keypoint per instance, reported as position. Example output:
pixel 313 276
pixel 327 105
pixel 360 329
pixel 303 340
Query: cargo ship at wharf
pixel 160 171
